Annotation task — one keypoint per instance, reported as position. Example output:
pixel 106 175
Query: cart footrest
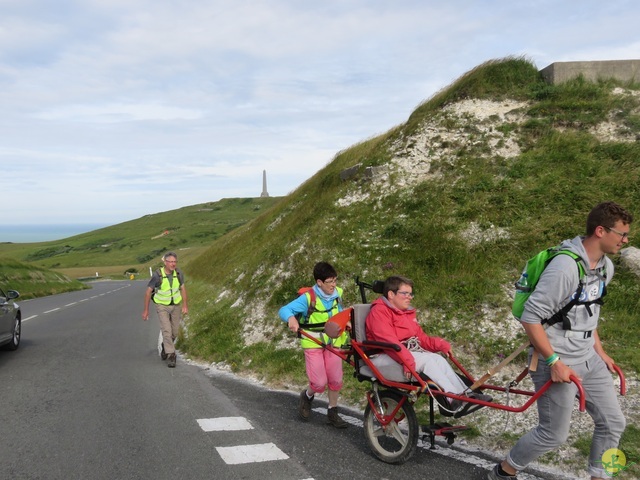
pixel 442 430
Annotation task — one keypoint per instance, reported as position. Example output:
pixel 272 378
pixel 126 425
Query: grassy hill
pixel 138 244
pixel 32 281
pixel 480 177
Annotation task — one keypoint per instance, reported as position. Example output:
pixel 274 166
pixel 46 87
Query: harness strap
pixel 578 334
pixel 312 305
pixel 562 315
pixel 312 327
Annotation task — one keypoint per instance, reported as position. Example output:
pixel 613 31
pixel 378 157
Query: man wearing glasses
pixel 169 294
pixel 577 351
pixel 392 319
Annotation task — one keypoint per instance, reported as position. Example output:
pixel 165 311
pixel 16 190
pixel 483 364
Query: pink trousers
pixel 323 369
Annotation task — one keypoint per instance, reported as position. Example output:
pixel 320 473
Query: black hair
pixel 323 270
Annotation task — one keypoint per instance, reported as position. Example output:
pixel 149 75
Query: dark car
pixel 10 320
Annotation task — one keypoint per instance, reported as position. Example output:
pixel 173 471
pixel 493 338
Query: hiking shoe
pixel 334 419
pixel 456 404
pixel 163 354
pixel 462 408
pixel 172 360
pixel 304 406
pixel 481 396
pixel 495 474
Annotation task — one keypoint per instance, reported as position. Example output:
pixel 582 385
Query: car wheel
pixel 15 340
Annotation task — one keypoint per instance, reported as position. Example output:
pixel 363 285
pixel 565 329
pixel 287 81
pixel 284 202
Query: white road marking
pixel 224 424
pixel 75 303
pixel 264 452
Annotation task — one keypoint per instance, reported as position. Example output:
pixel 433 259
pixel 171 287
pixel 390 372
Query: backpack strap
pixel 312 309
pixel 562 315
pixel 312 303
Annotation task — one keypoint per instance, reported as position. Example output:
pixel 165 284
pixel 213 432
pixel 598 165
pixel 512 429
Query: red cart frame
pixel 391 427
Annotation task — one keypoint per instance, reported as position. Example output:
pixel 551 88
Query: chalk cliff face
pixel 476 124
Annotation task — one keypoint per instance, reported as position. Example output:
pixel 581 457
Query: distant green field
pixel 138 244
pixel 45 268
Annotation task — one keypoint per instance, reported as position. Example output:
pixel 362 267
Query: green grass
pixel 513 78
pixel 31 281
pixel 629 445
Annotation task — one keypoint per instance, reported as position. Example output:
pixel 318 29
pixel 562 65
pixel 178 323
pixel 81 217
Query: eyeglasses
pixel 405 294
pixel 330 281
pixel 623 235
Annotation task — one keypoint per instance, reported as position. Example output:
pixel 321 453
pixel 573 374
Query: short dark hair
pixel 393 283
pixel 606 214
pixel 324 270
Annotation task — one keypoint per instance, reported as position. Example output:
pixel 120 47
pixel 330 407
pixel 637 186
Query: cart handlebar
pixel 623 382
pixel 582 400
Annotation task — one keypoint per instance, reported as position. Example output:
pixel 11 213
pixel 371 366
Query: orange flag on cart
pixel 335 325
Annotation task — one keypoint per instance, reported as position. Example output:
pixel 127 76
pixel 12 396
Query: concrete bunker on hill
pixel 623 70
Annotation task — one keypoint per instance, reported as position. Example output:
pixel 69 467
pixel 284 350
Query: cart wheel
pixel 396 442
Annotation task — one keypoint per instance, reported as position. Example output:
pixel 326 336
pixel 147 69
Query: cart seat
pixel 395 372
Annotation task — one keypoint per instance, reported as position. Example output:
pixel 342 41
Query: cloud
pixel 140 106
pixel 118 113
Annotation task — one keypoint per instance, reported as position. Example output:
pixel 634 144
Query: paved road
pixel 87 397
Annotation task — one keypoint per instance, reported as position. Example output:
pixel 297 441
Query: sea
pixel 43 233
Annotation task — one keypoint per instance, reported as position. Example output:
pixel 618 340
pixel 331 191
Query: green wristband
pixel 553 358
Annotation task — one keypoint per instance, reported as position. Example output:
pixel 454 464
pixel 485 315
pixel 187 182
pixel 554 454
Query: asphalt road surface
pixel 86 396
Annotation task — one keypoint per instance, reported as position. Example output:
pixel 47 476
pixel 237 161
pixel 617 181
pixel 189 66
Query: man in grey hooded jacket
pixel 576 352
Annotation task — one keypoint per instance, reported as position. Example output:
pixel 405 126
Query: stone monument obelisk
pixel 264 184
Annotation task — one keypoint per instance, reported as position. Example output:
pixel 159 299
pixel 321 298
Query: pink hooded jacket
pixel 386 323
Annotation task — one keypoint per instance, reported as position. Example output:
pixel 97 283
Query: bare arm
pixel 147 299
pixel 600 351
pixel 183 293
pixel 293 323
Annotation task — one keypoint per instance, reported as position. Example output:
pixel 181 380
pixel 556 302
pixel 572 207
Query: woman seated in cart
pixel 392 319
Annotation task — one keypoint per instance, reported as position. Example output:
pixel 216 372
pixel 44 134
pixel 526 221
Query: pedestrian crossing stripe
pixel 224 424
pixel 264 452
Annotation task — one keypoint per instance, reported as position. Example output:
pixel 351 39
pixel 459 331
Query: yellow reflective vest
pixel 319 316
pixel 169 291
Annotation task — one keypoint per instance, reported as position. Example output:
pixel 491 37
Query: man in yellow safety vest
pixel 168 292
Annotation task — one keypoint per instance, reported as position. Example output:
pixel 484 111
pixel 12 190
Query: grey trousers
pixel 169 317
pixel 434 365
pixel 554 415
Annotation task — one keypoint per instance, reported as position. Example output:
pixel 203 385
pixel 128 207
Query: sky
pixel 115 109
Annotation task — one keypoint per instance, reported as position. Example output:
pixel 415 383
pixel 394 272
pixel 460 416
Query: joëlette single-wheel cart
pixel 391 427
